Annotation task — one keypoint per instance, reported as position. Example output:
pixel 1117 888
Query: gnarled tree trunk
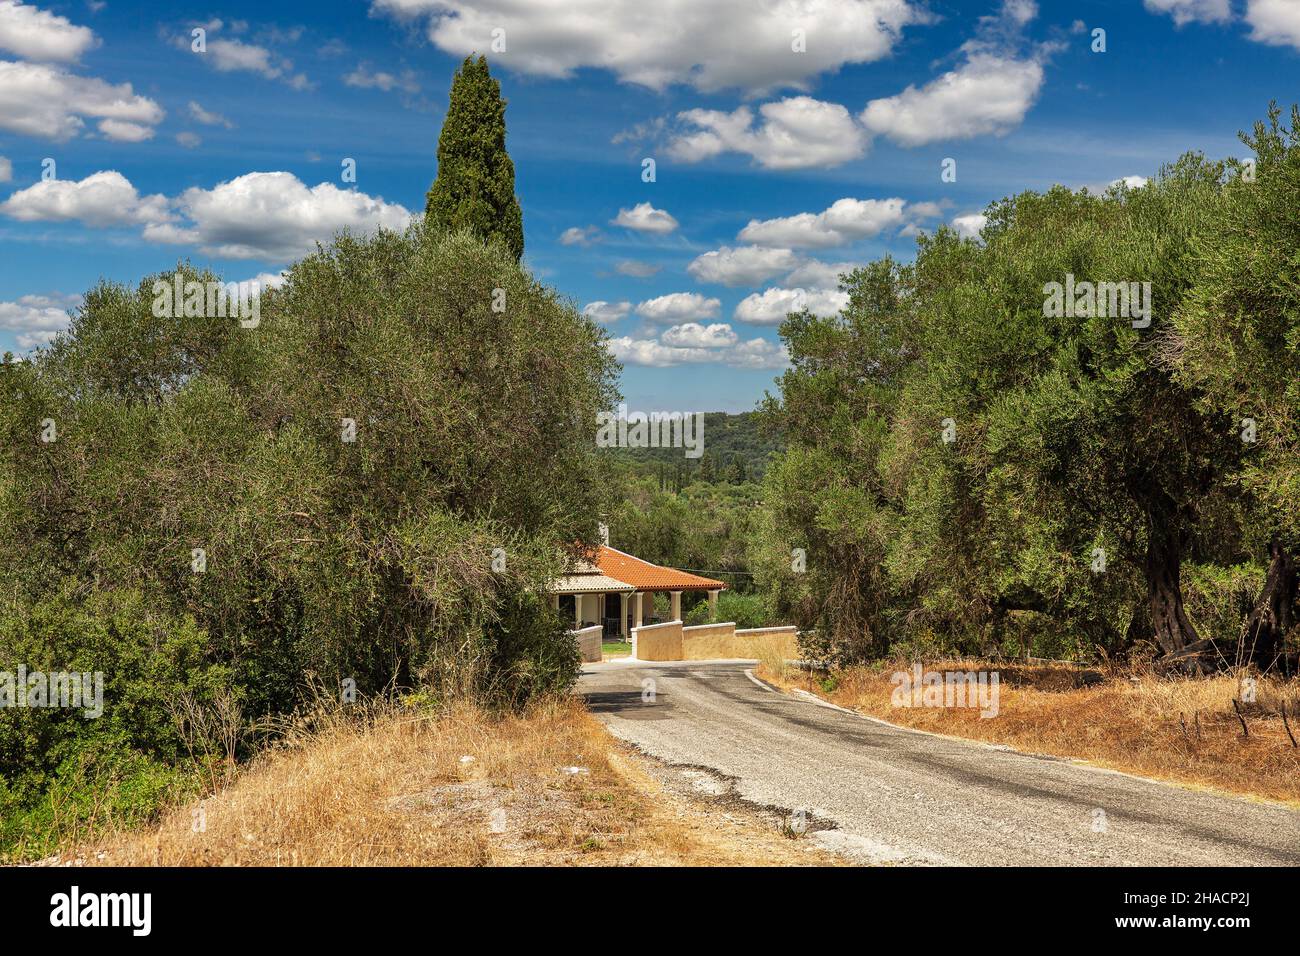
pixel 1274 612
pixel 1173 631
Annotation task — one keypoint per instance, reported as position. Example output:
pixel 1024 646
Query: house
pixel 617 590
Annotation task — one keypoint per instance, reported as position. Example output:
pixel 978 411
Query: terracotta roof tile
pixel 645 576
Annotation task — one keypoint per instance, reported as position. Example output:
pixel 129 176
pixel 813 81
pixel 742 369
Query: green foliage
pixel 746 610
pixel 968 470
pixel 326 559
pixel 475 186
pixel 65 769
pixel 736 450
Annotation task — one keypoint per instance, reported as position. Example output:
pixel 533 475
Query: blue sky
pixel 774 167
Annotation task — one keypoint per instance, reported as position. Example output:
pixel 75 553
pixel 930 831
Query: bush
pixel 63 769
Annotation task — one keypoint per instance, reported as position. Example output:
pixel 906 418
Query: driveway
pixel 883 794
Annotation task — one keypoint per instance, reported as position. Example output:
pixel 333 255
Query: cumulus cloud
pixel 1188 11
pixel 697 336
pixel 771 306
pixel 606 312
pixel 677 307
pixel 235 56
pixel 845 221
pixel 968 227
pixel 48 102
pixel 644 217
pixel 742 265
pixel 208 118
pixel 636 269
pixel 989 94
pixel 407 81
pixel 579 236
pixel 794 133
pixel 100 200
pixel 35 34
pixel 274 216
pixel 254 216
pixel 755 353
pixel 36 319
pixel 710 46
pixel 815 274
pixel 1275 22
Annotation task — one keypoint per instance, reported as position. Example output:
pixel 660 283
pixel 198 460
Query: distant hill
pixel 735 450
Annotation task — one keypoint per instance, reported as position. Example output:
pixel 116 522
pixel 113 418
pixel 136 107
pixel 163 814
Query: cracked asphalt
pixel 884 794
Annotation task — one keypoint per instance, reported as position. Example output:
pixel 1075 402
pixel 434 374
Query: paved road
pixel 885 794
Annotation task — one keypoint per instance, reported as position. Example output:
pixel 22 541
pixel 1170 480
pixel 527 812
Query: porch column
pixel 555 601
pixel 675 606
pixel 713 605
pixel 636 615
pixel 577 612
pixel 622 615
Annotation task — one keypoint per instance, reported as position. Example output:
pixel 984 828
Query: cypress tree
pixel 475 187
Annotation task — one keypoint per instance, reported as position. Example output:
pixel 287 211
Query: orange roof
pixel 645 576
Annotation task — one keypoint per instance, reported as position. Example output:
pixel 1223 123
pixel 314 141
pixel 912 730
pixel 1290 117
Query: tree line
pixel 967 461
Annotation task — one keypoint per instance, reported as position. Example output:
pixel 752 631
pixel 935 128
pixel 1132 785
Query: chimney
pixel 604 534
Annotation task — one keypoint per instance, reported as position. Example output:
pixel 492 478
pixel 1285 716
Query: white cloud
pixel 268 280
pixel 644 217
pixel 274 216
pixel 236 56
pixel 363 78
pixel 100 200
pixel 1275 22
pixel 697 336
pixel 1188 11
pixel 35 34
pixel 844 222
pixel 756 353
pixel 636 269
pixel 208 118
pixel 121 131
pixel 771 306
pixel 6 170
pixel 814 274
pixel 794 133
pixel 230 56
pixel 606 312
pixel 989 94
pixel 36 319
pixel 579 236
pixel 49 102
pixel 742 265
pixel 968 227
pixel 189 140
pixel 679 307
pixel 710 46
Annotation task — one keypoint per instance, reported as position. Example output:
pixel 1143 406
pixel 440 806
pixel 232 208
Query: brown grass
pixel 773 646
pixel 396 792
pixel 1134 725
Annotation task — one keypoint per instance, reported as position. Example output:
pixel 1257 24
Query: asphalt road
pixel 884 794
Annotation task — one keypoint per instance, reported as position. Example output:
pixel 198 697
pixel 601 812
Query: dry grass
pixel 397 792
pixel 722 647
pixel 1144 725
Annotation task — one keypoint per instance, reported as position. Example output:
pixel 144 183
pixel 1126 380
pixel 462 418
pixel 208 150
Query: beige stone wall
pixel 767 631
pixel 721 629
pixel 658 642
pixel 589 641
